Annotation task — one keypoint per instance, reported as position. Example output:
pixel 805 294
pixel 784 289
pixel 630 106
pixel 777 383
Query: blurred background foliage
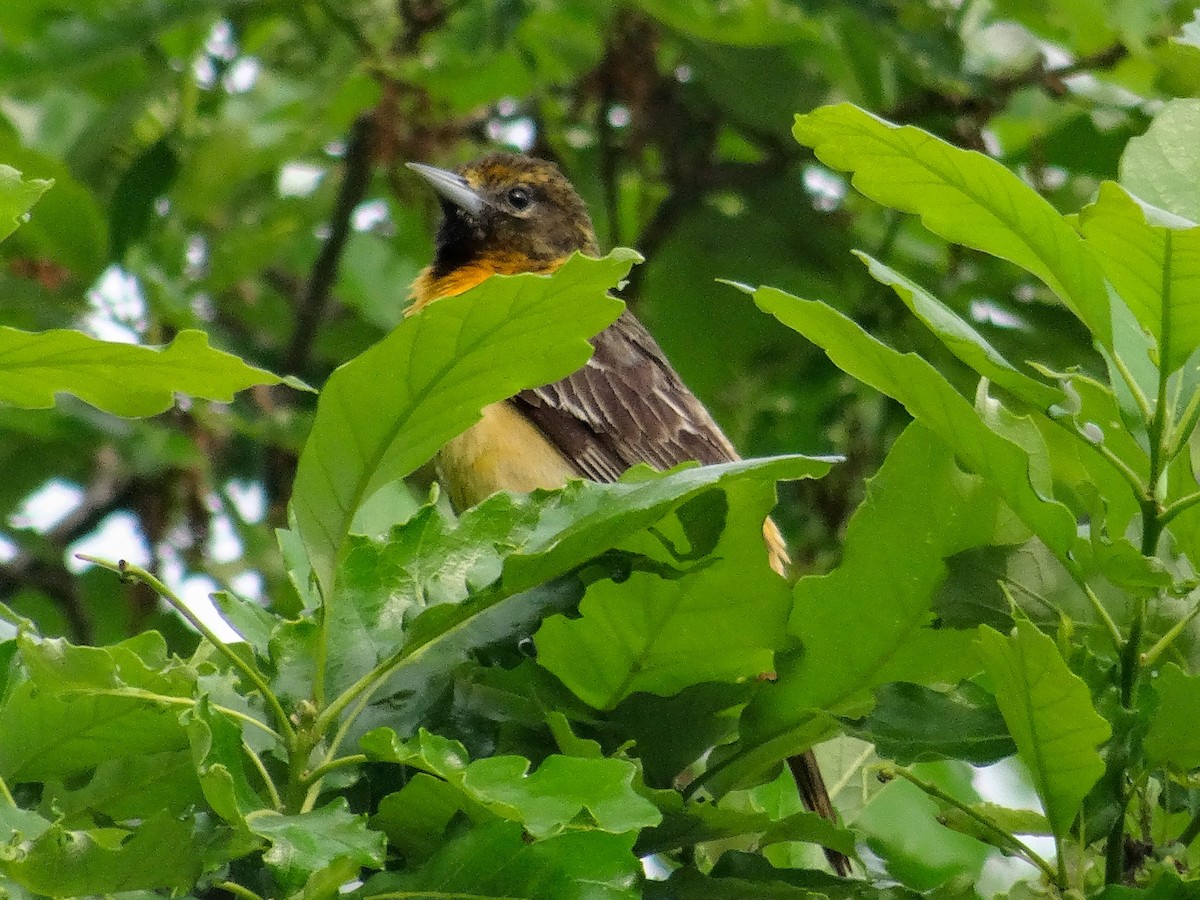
pixel 236 165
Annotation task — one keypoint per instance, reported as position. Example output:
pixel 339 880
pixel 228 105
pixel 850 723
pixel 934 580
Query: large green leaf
pixel 749 876
pixel 911 723
pixel 961 338
pixel 496 862
pixel 432 593
pixel 86 705
pixel 17 195
pixel 1153 264
pixel 386 412
pixel 124 379
pixel 963 196
pixel 164 851
pixel 1173 739
pixel 545 802
pixel 919 501
pixel 306 844
pixel 720 619
pixel 933 402
pixel 1162 166
pixel 1049 713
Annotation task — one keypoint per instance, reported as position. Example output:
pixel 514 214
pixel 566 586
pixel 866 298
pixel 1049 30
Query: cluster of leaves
pixel 405 722
pixel 592 692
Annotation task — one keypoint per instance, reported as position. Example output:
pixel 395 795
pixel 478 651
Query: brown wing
pixel 624 407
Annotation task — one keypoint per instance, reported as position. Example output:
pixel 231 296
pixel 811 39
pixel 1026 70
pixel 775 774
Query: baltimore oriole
pixel 508 213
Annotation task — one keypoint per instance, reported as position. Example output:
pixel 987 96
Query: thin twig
pixel 127 570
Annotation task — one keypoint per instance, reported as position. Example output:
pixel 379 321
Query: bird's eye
pixel 519 198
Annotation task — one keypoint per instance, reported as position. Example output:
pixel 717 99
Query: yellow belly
pixel 502 452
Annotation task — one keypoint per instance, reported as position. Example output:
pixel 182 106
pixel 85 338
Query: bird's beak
pixel 451 187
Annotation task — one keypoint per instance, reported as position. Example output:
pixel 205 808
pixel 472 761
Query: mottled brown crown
pixel 531 218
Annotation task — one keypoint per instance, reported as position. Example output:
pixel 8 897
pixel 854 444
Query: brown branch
pixel 356 178
pixel 995 93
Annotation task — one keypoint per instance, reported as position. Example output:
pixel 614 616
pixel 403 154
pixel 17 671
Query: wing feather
pixel 626 406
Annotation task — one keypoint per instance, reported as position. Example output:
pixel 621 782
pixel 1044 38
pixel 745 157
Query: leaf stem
pixel 1113 631
pixel 137 573
pixel 6 794
pixel 1150 657
pixel 268 781
pixel 1011 841
pixel 167 700
pixel 1139 398
pixel 237 890
pixel 325 768
pixel 1158 431
pixel 1183 504
pixel 1190 833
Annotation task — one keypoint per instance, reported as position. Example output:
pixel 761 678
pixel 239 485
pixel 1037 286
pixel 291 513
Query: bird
pixel 509 213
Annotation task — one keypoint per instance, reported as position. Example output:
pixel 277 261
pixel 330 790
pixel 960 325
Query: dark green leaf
pixel 720 620
pixel 308 843
pixel 922 502
pixel 164 851
pixel 911 723
pixel 579 865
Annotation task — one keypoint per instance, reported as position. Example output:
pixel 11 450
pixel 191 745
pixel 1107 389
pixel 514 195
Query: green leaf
pixel 921 501
pixel 961 338
pixel 1049 713
pixel 911 723
pixel 1173 739
pixel 563 786
pixel 698 822
pixel 17 196
pixel 164 851
pixel 495 862
pixel 749 876
pixel 1155 269
pixel 132 787
pixel 962 196
pixel 415 817
pixel 545 802
pixel 77 38
pixel 902 825
pixel 432 593
pixel 1162 166
pixel 124 379
pixel 220 763
pixel 740 24
pixel 309 843
pixel 85 705
pixel 934 403
pixel 147 179
pixel 659 632
pixel 386 412
pixel 1014 821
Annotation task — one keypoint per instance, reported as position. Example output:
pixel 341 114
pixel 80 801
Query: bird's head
pixel 511 211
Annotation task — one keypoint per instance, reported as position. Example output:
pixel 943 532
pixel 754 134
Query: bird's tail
pixel 803 767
